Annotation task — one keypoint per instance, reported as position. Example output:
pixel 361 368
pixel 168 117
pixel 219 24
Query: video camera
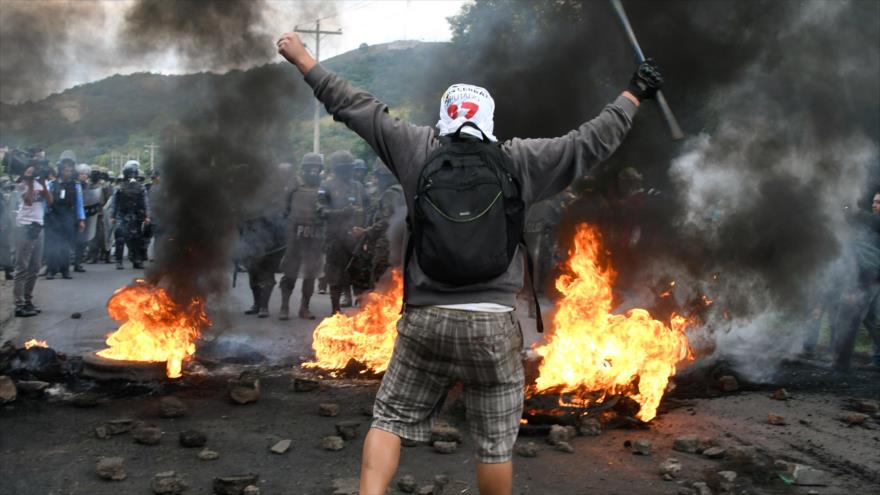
pixel 16 161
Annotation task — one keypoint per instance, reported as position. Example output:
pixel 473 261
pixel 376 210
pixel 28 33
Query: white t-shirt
pixel 33 213
pixel 482 307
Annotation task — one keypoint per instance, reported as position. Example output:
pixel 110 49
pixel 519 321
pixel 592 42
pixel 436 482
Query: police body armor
pixel 304 221
pixel 130 204
pixel 64 196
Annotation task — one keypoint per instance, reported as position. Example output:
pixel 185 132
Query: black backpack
pixel 468 215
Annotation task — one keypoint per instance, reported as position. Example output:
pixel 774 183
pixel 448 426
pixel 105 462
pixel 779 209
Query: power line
pixel 316 146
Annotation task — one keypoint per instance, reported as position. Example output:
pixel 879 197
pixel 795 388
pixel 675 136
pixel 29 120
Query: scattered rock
pixel 728 383
pixel 32 387
pixel 345 486
pixel 670 468
pixel 303 385
pixel 559 433
pixel 780 394
pixel 589 427
pixel 855 419
pixel 86 400
pixel 686 443
pixel 332 443
pixel 102 432
pixel 775 419
pixel 445 447
pixel 406 442
pixel 701 488
pixel 807 476
pixel 867 406
pixel 728 476
pixel 8 392
pixel 246 389
pixel 442 432
pixel 281 446
pixel 641 447
pixel 426 490
pixel 407 484
pixel 192 439
pixel 75 316
pixel 251 490
pixel 347 429
pixel 714 452
pixel 529 449
pixel 167 483
pixel 564 447
pixel 119 426
pixel 745 455
pixel 147 435
pixel 171 407
pixel 440 482
pixel 208 455
pixel 110 468
pixel 328 410
pixel 234 485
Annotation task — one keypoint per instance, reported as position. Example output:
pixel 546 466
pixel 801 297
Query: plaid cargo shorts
pixel 435 348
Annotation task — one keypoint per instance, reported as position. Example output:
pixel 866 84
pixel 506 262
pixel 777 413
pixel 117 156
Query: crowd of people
pixel 60 218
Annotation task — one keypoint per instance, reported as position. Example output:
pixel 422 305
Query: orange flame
pixel 367 337
pixel 35 343
pixel 593 353
pixel 153 327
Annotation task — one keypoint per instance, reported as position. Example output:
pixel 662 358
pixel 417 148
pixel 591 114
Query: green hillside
pixel 122 114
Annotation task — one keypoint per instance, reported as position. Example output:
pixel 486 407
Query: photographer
pixel 33 196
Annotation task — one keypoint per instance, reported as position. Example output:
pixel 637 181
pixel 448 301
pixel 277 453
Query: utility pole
pixel 317 32
pixel 152 148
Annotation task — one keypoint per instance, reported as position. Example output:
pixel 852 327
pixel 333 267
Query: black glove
pixel 646 80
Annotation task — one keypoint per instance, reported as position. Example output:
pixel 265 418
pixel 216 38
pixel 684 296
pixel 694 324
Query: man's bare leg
pixel 380 458
pixel 495 479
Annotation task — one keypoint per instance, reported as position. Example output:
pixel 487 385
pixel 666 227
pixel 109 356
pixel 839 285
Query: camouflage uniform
pixel 341 205
pixel 303 254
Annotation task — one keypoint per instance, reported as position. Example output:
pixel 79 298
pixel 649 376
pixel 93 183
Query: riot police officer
pixel 129 212
pixel 342 206
pixel 360 171
pixel 383 238
pixel 302 256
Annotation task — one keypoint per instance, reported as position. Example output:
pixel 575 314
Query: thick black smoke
pixel 36 40
pixel 780 99
pixel 218 161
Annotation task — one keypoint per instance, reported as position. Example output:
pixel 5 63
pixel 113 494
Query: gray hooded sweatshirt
pixel 544 167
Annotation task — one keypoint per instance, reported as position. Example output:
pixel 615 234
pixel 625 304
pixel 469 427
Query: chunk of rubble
pixel 8 391
pixel 168 483
pixel 780 394
pixel 529 449
pixel 701 488
pixel 407 484
pixel 86 400
pixel 728 476
pixel 440 483
pixel 234 485
pixel 406 442
pixel 445 447
pixel 714 452
pixel 808 476
pixel 728 383
pixel 192 439
pixel 328 410
pixel 245 389
pixel 147 435
pixel 171 407
pixel 345 486
pixel 332 443
pixel 867 406
pixel 303 385
pixel 32 387
pixel 686 443
pixel 110 468
pixel 348 430
pixel 426 490
pixel 281 446
pixel 251 490
pixel 559 433
pixel 670 468
pixel 442 432
pixel 564 447
pixel 589 427
pixel 776 419
pixel 855 419
pixel 208 455
pixel 101 432
pixel 641 447
pixel 119 426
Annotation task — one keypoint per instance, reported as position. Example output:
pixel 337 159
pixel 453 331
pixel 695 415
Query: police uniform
pixel 303 254
pixel 129 210
pixel 384 236
pixel 341 205
pixel 261 249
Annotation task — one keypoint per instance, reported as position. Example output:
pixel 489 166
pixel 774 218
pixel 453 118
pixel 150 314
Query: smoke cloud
pixel 780 101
